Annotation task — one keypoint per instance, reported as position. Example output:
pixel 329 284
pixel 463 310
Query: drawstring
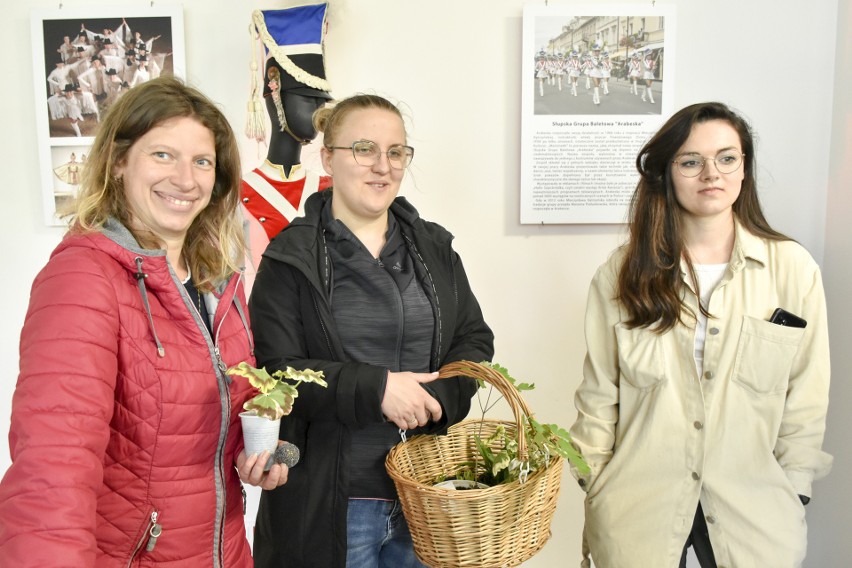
pixel 140 279
pixel 245 321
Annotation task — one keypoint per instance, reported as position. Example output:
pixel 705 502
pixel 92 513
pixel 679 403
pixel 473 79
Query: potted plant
pixel 497 461
pixel 261 420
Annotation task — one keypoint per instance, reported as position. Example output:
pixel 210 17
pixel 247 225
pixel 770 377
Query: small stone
pixel 288 454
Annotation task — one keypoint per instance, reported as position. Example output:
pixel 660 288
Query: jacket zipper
pixel 152 532
pixel 225 393
pixel 437 304
pixel 401 307
pixel 328 290
pixel 219 362
pixel 322 324
pixel 223 380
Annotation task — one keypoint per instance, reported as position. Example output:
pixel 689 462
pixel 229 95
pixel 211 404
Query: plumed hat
pixel 294 40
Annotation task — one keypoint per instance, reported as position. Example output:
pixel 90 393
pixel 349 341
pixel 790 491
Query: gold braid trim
pixel 285 62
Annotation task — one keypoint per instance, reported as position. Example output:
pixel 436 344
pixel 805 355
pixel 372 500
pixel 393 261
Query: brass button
pixel 714 331
pixel 698 425
pixel 708 374
pixel 710 519
pixel 695 476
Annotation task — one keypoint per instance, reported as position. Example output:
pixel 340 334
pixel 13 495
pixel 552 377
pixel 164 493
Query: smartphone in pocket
pixel 783 317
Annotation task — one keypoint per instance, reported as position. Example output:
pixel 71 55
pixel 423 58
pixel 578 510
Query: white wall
pixel 831 515
pixel 456 66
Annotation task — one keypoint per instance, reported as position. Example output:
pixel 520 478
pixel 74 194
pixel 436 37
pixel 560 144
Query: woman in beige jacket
pixel 700 413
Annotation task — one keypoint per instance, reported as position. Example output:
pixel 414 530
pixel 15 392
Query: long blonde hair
pixel 214 246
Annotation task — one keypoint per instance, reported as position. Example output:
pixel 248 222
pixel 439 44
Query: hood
pixel 404 210
pixel 116 241
pixel 149 268
pixel 301 242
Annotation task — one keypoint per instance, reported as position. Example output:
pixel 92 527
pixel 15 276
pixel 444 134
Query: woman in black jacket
pixel 365 290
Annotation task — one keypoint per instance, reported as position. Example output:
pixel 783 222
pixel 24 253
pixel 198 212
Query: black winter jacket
pixel 303 523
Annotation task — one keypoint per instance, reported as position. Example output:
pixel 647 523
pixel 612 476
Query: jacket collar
pixel 121 235
pixel 400 207
pixel 302 243
pixel 747 247
pixel 282 246
pixel 115 240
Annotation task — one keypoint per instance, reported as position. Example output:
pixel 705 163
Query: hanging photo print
pixel 85 59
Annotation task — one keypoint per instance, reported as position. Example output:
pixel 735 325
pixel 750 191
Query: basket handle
pixel 510 394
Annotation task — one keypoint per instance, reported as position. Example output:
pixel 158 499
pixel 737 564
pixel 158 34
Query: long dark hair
pixel 649 282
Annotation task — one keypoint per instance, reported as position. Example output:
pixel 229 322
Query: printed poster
pixel 598 81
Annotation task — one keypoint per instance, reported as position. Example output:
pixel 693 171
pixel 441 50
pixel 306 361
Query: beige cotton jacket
pixel 744 438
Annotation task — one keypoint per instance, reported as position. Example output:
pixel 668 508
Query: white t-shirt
pixel 709 276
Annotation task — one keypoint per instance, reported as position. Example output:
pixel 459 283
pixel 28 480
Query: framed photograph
pixel 84 60
pixel 595 88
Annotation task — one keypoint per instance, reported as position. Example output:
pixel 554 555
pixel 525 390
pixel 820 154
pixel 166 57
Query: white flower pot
pixel 260 434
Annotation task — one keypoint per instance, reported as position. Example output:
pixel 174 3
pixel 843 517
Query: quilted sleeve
pixel 61 411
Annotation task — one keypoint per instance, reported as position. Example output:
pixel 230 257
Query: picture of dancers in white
pixel 574 66
pixel 634 73
pixel 610 64
pixel 541 72
pixel 649 63
pixel 89 64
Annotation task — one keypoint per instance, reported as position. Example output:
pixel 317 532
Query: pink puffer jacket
pixel 122 417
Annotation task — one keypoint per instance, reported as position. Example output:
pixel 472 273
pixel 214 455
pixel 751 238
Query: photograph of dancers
pixel 90 62
pixel 84 60
pixel 613 65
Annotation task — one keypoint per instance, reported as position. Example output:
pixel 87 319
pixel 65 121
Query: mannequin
pixel 298 105
pixel 282 170
pixel 288 57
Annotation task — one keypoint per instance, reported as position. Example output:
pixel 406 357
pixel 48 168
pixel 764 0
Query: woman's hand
pixel 251 471
pixel 406 403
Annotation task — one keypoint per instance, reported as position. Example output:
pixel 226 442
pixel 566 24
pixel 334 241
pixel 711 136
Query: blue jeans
pixel 377 536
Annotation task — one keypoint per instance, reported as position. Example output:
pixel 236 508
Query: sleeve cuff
pixel 801 482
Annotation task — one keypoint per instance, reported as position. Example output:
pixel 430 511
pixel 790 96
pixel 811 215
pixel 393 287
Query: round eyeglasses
pixel 367 153
pixel 727 162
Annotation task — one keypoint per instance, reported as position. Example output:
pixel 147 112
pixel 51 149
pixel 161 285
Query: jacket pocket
pixel 765 356
pixel 641 357
pixel 151 531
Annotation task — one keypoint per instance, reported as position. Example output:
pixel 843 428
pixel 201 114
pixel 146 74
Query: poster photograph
pixel 598 80
pixel 84 60
pixel 67 164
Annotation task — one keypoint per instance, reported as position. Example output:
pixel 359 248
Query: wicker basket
pixel 495 527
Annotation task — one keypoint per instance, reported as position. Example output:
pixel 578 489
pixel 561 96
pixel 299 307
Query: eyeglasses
pixel 367 153
pixel 727 162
